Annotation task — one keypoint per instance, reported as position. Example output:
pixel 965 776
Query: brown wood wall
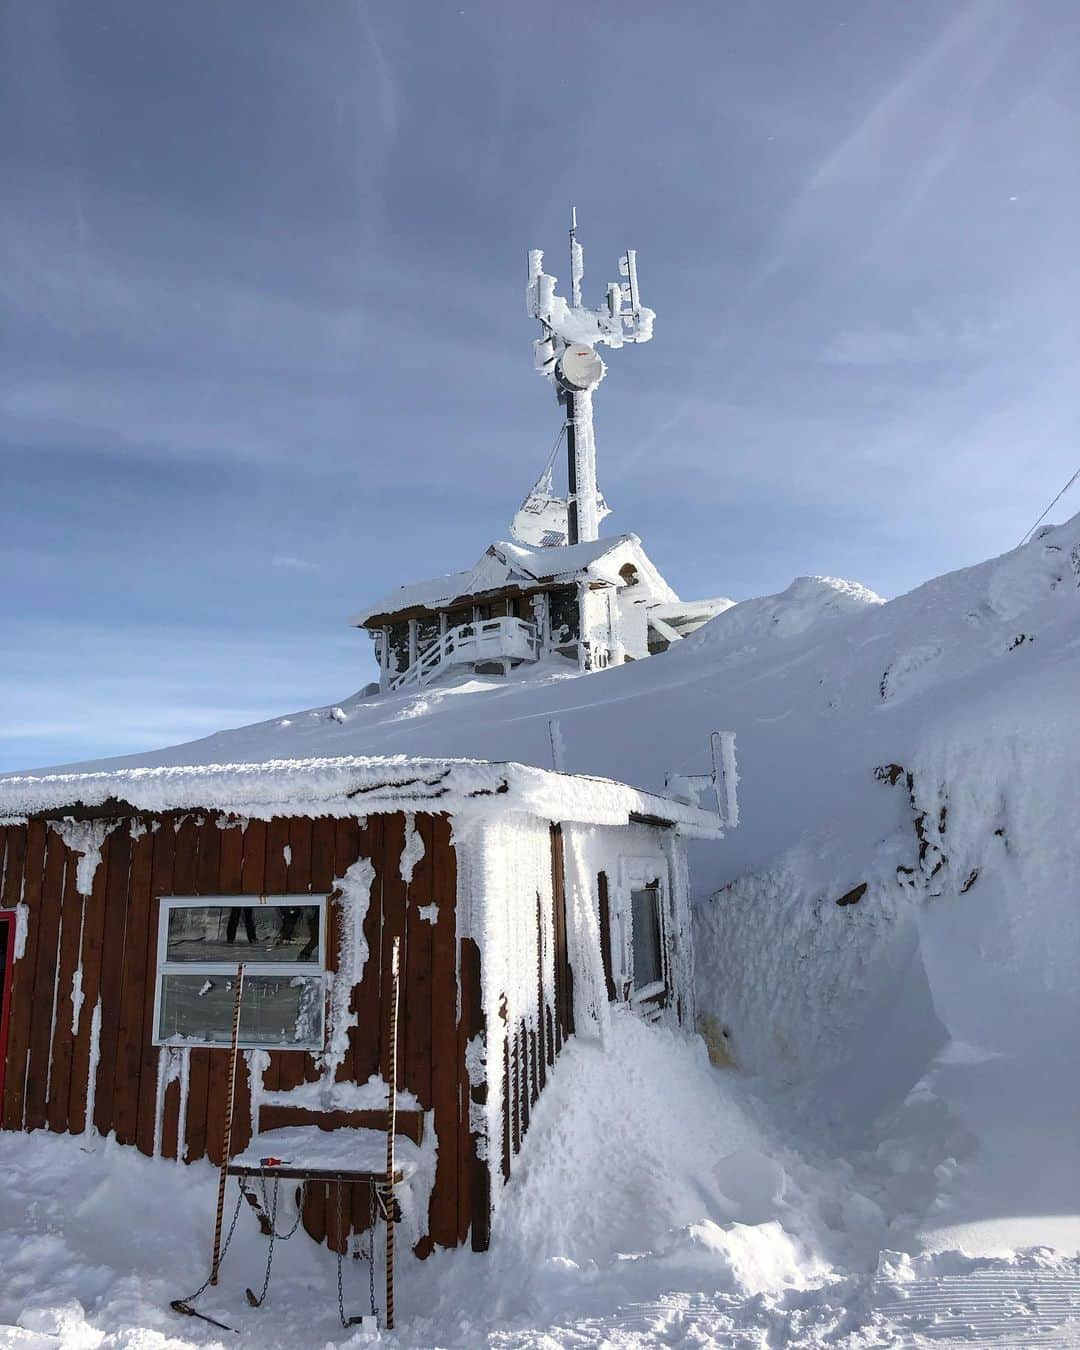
pixel 113 935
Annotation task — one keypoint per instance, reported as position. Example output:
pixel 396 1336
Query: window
pixel 648 958
pixel 564 615
pixel 640 930
pixel 399 647
pixel 282 941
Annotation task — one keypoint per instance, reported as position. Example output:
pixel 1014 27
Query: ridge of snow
pixel 346 785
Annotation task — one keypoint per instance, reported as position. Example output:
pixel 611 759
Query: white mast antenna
pixel 566 354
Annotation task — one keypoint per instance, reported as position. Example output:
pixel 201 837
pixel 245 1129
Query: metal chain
pixel 228 1238
pixel 362 1255
pixel 258 1302
pixel 340 1296
pixel 284 1237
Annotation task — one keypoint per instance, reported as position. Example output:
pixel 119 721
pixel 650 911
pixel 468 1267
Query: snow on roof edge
pixel 350 785
pixel 541 564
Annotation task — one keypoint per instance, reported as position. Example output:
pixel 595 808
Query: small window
pixel 281 941
pixel 564 615
pixel 399 647
pixel 427 634
pixel 645 937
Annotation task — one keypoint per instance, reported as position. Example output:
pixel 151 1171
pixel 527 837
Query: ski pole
pixel 226 1143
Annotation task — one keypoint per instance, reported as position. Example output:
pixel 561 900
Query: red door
pixel 7 960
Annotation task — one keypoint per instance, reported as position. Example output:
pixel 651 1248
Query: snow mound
pixel 807 602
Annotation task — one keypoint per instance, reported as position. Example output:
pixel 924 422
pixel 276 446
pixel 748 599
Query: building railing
pixel 506 638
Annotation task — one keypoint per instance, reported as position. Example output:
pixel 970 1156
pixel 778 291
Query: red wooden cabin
pixel 524 901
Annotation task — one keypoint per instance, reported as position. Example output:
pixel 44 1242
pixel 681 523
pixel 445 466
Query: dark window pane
pixel 645 920
pixel 243 933
pixel 399 646
pixel 427 633
pixel 284 1011
pixel 564 615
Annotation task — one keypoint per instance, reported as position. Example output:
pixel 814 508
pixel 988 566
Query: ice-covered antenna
pixel 566 353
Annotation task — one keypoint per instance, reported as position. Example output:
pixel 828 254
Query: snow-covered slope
pixel 889 941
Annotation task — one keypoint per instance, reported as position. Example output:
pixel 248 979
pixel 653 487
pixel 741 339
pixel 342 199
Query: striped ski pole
pixel 391 1112
pixel 226 1143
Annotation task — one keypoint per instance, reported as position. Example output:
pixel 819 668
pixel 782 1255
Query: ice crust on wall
pixel 352 906
pixel 84 837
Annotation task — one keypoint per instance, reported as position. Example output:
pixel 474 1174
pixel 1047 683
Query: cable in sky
pixel 1054 503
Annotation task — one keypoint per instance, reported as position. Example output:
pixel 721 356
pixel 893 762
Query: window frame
pixel 638 874
pixel 311 968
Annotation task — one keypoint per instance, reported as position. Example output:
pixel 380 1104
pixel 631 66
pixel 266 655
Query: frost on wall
pixel 506 905
pixel 84 837
pixel 22 919
pixel 594 849
pixel 258 1061
pixel 591 1011
pixel 95 1057
pixel 413 851
pixel 354 898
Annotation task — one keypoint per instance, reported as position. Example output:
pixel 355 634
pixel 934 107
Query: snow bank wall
pixel 858 958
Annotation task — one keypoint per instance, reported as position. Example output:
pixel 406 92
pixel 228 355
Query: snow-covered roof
pixel 351 785
pixel 506 564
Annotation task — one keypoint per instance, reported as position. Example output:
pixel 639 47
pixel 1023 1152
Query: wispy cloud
pixel 290 563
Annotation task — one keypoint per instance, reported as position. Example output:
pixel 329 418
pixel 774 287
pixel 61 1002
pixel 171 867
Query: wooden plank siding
pixel 172 1100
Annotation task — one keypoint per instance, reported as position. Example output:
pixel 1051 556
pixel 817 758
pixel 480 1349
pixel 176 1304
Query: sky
pixel 264 352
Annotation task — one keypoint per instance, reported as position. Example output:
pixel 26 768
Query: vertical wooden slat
pixel 186 881
pixel 117 865
pixel 416 988
pixel 541 1036
pixel 37 1069
pixel 393 927
pixel 365 1039
pixel 447 1052
pixel 315 1210
pixel 507 1095
pixel 24 859
pixel 275 877
pixel 71 916
pixel 515 1086
pixel 320 881
pixel 161 883
pixel 564 1000
pixel 136 979
pixel 83 1050
pixel 297 880
pixel 170 1119
pixel 474 1177
pixel 605 934
pixel 253 882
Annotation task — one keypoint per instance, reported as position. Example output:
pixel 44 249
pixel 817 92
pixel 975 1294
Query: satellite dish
pixel 580 368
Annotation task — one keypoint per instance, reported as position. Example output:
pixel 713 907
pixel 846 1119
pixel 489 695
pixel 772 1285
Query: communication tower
pixel 566 354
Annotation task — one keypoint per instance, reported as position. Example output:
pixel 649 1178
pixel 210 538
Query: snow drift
pixel 886 952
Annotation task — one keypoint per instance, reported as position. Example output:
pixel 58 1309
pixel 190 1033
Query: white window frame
pixel 227 968
pixel 637 874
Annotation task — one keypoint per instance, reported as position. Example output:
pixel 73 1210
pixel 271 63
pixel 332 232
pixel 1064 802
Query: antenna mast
pixel 566 354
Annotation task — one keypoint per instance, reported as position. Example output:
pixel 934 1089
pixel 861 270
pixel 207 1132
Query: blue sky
pixel 264 354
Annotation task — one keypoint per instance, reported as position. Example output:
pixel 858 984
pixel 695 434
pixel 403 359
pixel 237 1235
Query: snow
pixel 86 838
pixel 353 1150
pixel 354 900
pixel 889 1154
pixel 346 785
pixel 413 851
pixel 505 563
